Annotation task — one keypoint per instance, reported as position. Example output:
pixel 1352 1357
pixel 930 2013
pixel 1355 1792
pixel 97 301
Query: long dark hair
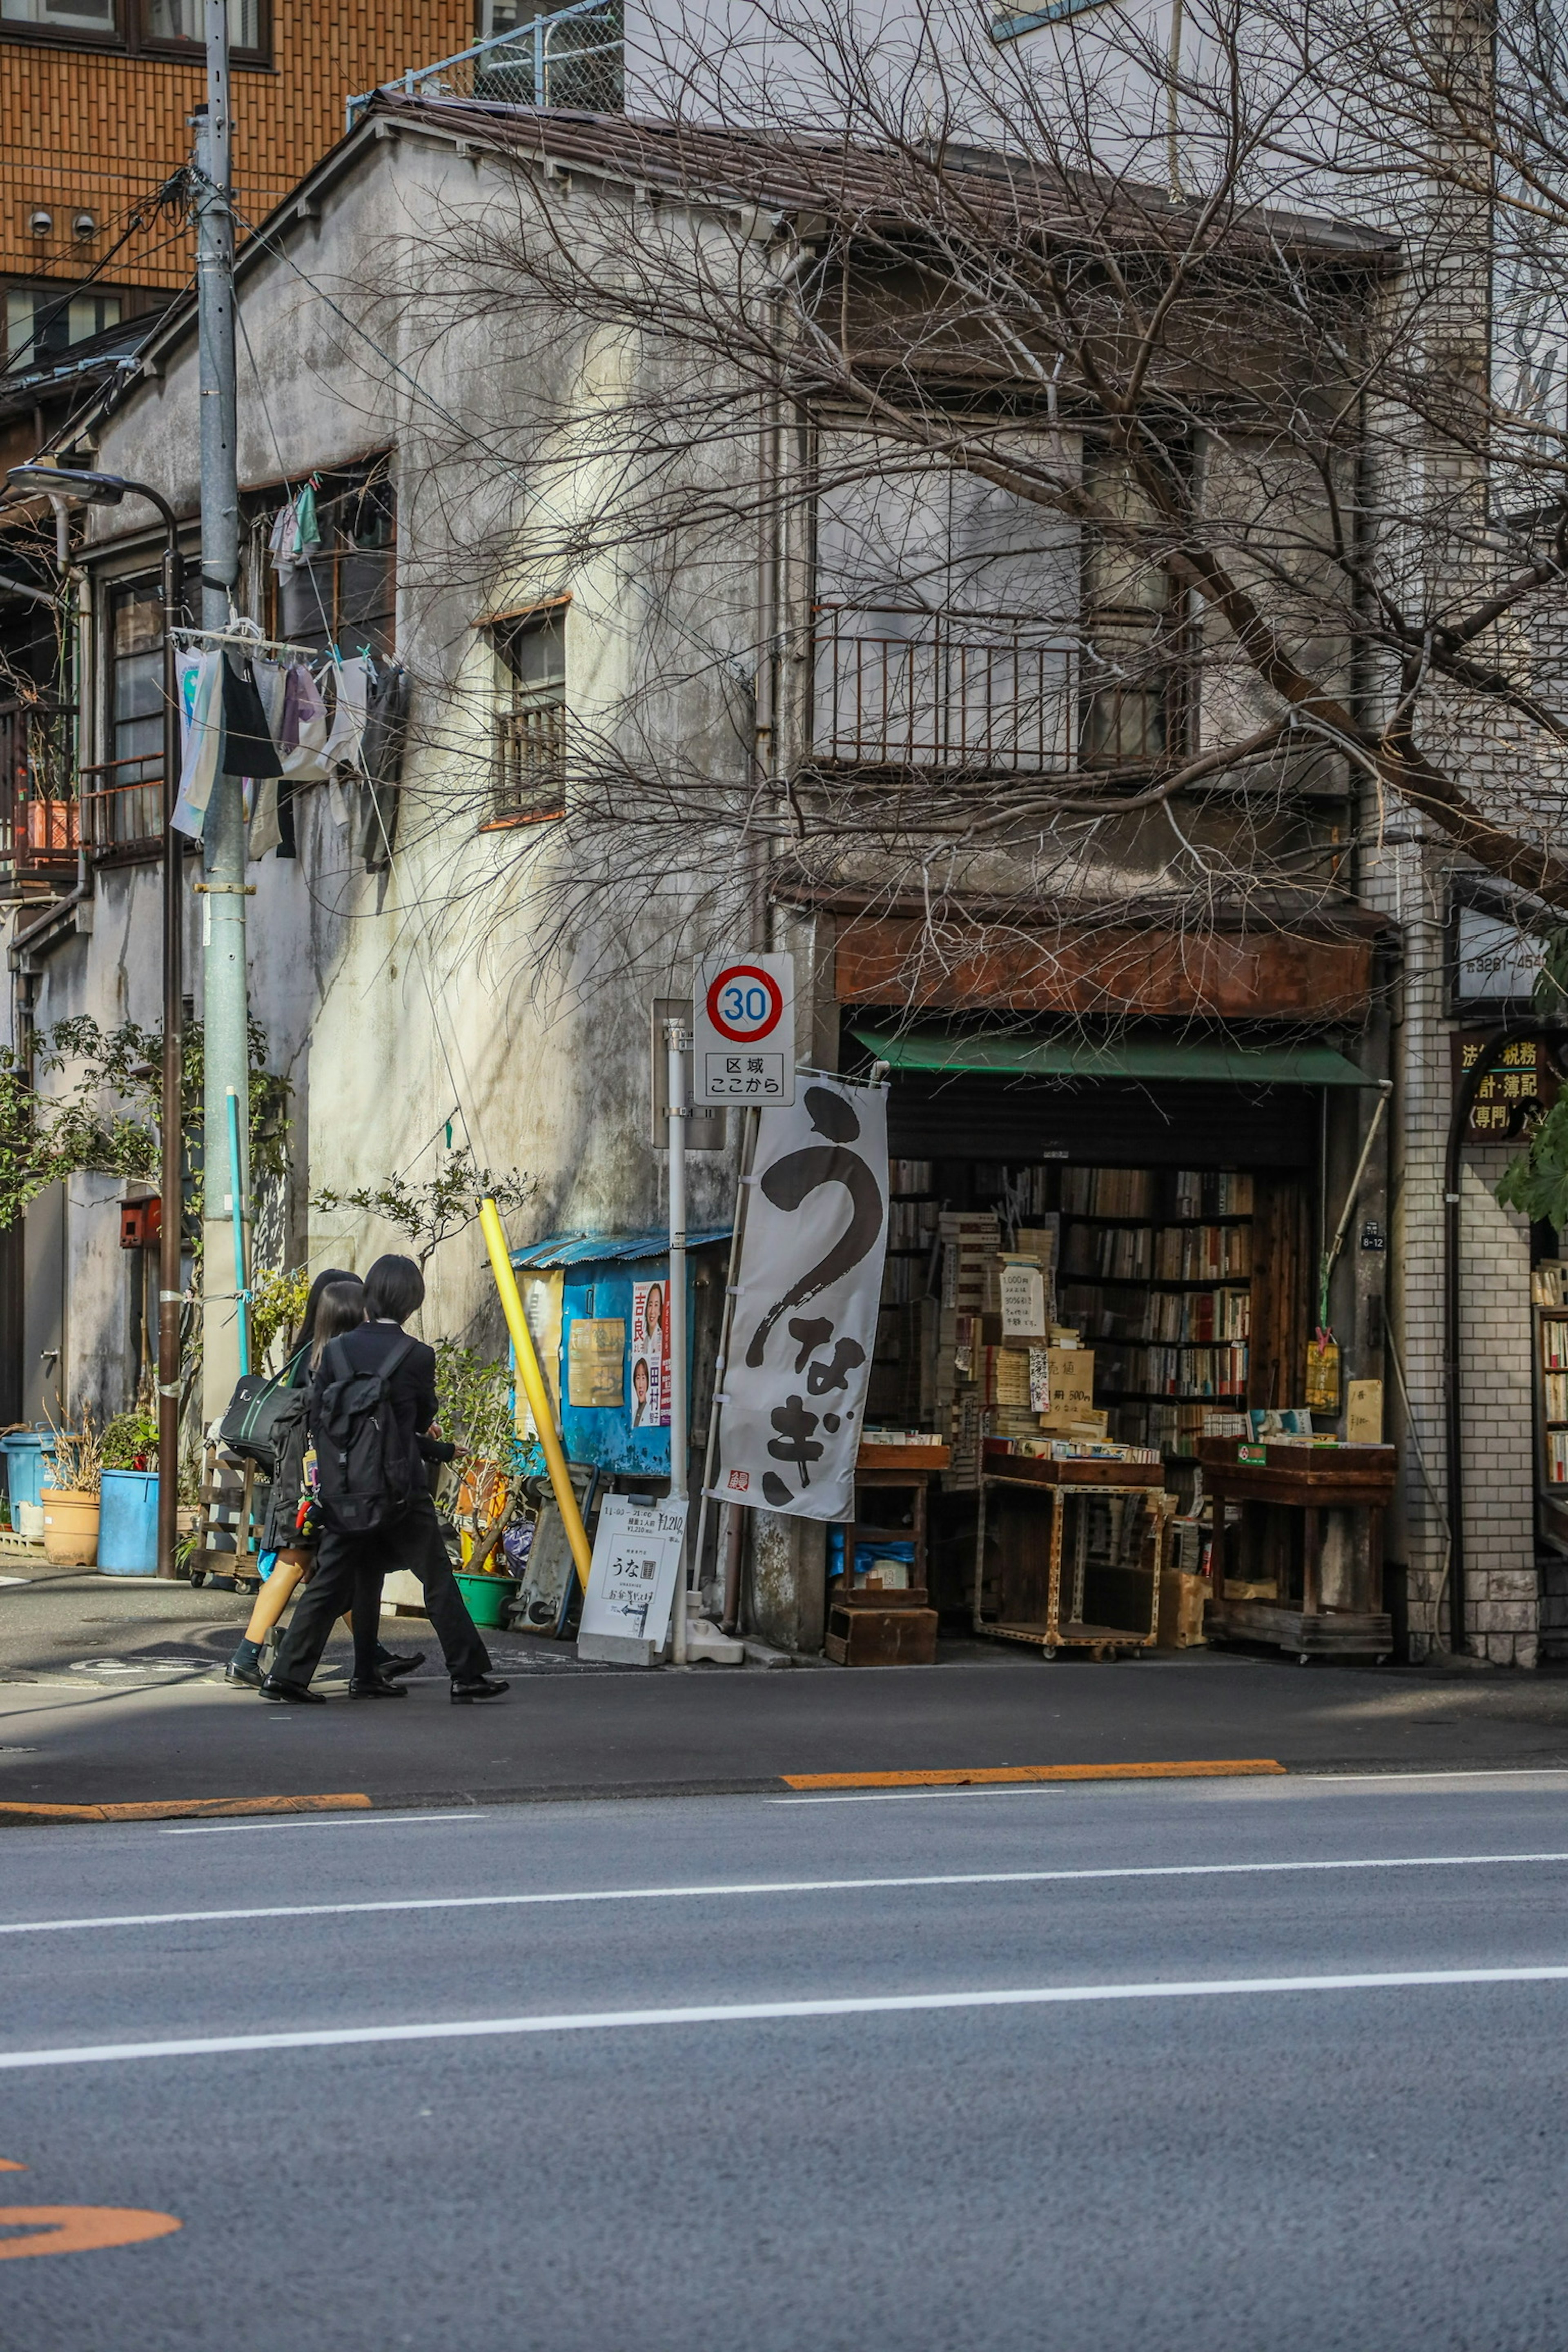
pixel 340 1308
pixel 307 1331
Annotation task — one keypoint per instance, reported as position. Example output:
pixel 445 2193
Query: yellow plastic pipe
pixel 537 1395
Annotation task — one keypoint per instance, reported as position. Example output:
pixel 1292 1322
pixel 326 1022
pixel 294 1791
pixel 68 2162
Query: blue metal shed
pixel 602 1276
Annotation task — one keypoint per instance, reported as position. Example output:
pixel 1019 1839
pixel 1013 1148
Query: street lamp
pixel 107 490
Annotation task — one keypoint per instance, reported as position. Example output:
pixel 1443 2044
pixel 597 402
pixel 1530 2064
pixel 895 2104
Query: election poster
pixel 650 1355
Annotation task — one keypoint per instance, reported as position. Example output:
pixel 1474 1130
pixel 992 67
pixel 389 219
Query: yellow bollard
pixel 537 1395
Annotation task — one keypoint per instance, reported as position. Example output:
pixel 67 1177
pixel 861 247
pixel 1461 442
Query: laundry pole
pixel 221 891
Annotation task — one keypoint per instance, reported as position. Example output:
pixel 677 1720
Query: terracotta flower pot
pixel 71 1528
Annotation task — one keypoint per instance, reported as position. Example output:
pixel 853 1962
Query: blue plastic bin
pixel 24 1450
pixel 870 1552
pixel 128 1523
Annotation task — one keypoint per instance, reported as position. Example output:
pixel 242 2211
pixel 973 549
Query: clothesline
pixel 248 641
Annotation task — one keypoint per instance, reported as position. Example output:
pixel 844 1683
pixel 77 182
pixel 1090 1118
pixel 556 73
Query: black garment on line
pixel 385 733
pixel 247 746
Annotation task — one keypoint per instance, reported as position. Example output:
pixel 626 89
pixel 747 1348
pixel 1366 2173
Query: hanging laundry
pixel 296 533
pixel 344 746
pixel 249 748
pixel 261 791
pixel 303 738
pixel 199 686
pixel 385 734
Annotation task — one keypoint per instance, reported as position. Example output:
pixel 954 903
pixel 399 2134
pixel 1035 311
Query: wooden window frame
pixel 529 724
pixel 131 39
pixel 335 482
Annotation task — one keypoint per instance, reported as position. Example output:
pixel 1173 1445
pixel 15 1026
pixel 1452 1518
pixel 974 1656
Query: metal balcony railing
pixel 926 690
pixel 571 56
pixel 122 806
pixel 40 830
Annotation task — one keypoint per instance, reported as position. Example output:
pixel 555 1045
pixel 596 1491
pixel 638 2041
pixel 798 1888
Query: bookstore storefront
pixel 1099 1255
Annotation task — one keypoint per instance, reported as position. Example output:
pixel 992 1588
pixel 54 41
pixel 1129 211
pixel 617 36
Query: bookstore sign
pixel 1520 1082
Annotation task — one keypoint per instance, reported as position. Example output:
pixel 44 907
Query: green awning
pixel 1134 1055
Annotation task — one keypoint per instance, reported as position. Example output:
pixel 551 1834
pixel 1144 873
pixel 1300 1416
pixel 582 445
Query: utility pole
pixel 222 886
pixel 677 1040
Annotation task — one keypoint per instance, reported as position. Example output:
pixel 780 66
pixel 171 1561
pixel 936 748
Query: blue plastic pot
pixel 24 1450
pixel 128 1523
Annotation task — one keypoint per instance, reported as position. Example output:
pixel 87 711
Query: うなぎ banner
pixel 810 1282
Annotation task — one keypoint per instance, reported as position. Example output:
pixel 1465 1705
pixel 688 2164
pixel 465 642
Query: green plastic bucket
pixel 488 1597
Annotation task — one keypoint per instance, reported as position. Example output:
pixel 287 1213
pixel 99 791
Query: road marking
pixel 176 1807
pixel 607 2021
pixel 348 1821
pixel 78 2229
pixel 909 1795
pixel 1225 1768
pixel 772 1886
pixel 1450 1772
pixel 8 2164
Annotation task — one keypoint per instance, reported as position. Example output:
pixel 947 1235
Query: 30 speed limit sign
pixel 744 1030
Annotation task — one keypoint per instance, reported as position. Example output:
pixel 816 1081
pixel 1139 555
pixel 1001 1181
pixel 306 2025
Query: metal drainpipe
pixel 1454 1429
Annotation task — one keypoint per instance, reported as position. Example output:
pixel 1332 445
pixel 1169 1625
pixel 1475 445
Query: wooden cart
pixel 1309 1521
pixel 1066 1554
pixel 876 1625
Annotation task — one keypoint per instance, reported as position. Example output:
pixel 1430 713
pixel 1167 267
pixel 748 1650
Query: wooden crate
pixel 880 1637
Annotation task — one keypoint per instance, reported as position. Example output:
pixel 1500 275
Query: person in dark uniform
pixel 350 1569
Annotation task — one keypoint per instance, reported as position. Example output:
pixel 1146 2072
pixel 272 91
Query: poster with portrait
pixel 650 1355
pixel 808 1289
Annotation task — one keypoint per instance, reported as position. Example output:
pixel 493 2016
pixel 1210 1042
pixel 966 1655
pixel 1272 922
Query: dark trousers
pixel 349 1572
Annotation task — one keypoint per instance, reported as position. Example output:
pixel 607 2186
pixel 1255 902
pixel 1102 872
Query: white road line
pixel 742 1888
pixel 757 2011
pixel 1444 1773
pixel 316 1821
pixel 914 1796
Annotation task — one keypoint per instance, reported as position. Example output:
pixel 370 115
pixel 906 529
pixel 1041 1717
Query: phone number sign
pixel 743 1031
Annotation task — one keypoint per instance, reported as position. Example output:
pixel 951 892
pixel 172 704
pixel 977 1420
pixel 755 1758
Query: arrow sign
pixel 743 1031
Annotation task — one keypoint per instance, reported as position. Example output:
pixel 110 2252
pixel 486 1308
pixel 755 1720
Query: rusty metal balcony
pixel 40 827
pixel 975 692
pixel 122 807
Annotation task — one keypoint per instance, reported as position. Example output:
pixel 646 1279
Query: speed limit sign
pixel 744 1030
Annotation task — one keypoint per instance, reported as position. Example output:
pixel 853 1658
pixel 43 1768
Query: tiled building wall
pixel 90 129
pixel 1503 1614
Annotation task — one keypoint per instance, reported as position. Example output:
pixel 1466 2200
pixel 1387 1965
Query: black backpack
pixel 250 1426
pixel 365 1475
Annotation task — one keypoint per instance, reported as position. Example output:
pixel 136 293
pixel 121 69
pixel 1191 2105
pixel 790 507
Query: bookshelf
pixel 1157 1272
pixel 1552 1403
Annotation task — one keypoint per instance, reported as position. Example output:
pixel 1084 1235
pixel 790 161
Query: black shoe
pixel 244 1670
pixel 376 1686
pixel 286 1694
pixel 472 1687
pixel 389 1664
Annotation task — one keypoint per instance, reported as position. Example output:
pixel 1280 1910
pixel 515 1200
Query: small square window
pixel 41 322
pixel 529 782
pixel 67 16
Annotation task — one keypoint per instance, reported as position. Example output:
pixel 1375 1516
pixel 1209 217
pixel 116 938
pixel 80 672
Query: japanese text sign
pixel 638 1550
pixel 743 1027
pixel 810 1279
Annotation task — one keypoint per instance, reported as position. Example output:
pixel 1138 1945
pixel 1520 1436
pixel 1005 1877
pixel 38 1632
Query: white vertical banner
pixel 808 1289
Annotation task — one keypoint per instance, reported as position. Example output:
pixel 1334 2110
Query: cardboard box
pixel 1183 1598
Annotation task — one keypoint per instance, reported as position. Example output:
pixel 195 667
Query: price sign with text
pixel 743 1031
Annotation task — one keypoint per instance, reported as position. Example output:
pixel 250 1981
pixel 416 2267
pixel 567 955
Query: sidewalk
pixel 107 1694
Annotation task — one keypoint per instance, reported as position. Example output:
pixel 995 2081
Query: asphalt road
pixel 110 1691
pixel 1118 2069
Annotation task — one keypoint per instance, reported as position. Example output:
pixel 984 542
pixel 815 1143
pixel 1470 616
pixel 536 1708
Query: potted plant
pixel 476 1411
pixel 71 1491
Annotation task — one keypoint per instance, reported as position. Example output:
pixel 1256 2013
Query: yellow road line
pixel 177 1808
pixel 1225 1768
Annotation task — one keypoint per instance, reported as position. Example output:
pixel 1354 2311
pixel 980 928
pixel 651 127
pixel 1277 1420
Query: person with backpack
pixel 372 1407
pixel 336 1306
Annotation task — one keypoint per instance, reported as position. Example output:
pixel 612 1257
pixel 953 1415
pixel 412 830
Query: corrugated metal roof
pixel 606 1249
